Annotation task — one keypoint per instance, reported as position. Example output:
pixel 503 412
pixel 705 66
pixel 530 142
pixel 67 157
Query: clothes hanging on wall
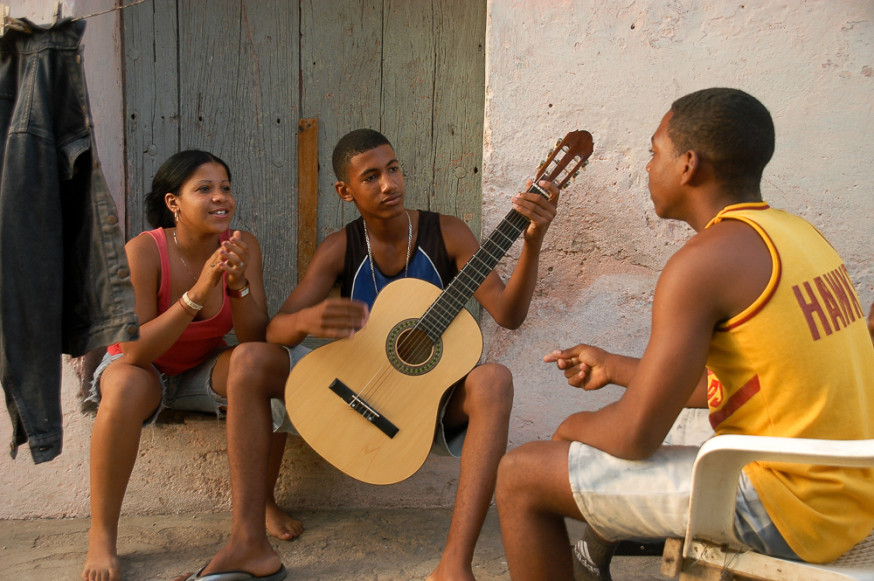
pixel 64 280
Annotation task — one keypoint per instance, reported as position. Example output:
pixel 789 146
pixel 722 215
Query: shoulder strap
pixel 160 238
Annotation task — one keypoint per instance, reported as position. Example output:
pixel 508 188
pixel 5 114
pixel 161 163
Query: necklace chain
pixel 370 251
pixel 179 252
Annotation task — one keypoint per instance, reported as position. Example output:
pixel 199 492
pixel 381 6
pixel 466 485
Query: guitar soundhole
pixel 410 350
pixel 414 347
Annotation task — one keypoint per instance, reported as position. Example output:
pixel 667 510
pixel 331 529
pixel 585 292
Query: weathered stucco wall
pixel 551 67
pixel 614 69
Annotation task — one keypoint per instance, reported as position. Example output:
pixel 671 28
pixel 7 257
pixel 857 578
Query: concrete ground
pixel 377 545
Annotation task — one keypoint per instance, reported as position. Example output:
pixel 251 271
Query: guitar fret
pixel 475 262
pixel 471 288
pixel 444 319
pixel 495 257
pixel 442 312
pixel 509 238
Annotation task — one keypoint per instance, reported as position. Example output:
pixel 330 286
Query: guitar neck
pixel 450 302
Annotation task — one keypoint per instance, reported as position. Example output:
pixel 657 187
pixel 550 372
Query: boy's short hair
pixel 350 145
pixel 729 128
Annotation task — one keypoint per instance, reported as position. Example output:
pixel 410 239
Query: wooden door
pixel 234 77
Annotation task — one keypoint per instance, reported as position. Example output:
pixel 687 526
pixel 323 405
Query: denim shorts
pixel 281 421
pixel 649 499
pixel 446 442
pixel 189 391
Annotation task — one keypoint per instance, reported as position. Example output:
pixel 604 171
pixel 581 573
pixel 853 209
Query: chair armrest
pixel 720 460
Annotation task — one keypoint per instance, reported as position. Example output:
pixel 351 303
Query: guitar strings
pixel 415 343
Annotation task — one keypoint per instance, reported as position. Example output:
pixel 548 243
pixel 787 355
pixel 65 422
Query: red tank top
pixel 200 338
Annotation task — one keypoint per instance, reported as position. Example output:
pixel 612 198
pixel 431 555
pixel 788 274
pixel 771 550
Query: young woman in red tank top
pixel 195 279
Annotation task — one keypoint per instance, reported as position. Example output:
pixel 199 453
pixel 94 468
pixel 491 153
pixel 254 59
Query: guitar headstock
pixel 566 159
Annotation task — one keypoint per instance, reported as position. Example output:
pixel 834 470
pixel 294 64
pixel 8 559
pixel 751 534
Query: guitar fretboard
pixel 450 302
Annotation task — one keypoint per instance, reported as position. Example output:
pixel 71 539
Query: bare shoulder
pixel 142 249
pixel 329 257
pixel 334 243
pixel 452 222
pixel 145 268
pixel 459 239
pixel 730 245
pixel 321 274
pixel 725 267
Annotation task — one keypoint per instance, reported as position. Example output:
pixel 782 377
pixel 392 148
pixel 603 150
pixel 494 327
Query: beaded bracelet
pixel 240 292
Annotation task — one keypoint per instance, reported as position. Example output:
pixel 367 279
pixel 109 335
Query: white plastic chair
pixel 710 550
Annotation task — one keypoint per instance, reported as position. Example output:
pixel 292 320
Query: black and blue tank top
pixel 429 260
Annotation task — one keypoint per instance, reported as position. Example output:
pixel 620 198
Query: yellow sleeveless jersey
pixel 799 362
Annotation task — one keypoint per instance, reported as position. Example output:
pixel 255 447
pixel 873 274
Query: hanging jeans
pixel 64 280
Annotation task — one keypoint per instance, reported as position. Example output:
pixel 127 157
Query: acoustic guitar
pixel 368 404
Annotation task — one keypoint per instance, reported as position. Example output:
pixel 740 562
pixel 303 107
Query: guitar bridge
pixel 362 407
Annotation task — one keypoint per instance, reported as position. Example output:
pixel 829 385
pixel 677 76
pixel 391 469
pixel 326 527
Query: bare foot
pixel 441 574
pixel 259 559
pixel 280 524
pixel 101 564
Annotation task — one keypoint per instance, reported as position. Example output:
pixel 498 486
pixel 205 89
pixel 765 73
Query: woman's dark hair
pixel 169 179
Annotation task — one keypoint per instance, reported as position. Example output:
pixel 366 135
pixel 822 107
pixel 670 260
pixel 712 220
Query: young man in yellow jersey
pixel 755 318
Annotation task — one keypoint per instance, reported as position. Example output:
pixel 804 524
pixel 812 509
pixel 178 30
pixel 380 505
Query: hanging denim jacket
pixel 64 280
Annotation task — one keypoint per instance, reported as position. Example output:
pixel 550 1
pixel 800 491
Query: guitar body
pixel 334 392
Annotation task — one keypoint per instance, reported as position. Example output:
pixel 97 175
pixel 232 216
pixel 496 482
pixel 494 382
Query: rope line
pixel 9 23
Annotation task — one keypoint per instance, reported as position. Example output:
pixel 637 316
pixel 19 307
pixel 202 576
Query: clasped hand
pixel 231 258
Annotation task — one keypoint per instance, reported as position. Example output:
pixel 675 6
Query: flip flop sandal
pixel 279 575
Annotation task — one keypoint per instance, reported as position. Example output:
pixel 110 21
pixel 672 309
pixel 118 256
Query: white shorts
pixel 649 499
pixel 633 499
